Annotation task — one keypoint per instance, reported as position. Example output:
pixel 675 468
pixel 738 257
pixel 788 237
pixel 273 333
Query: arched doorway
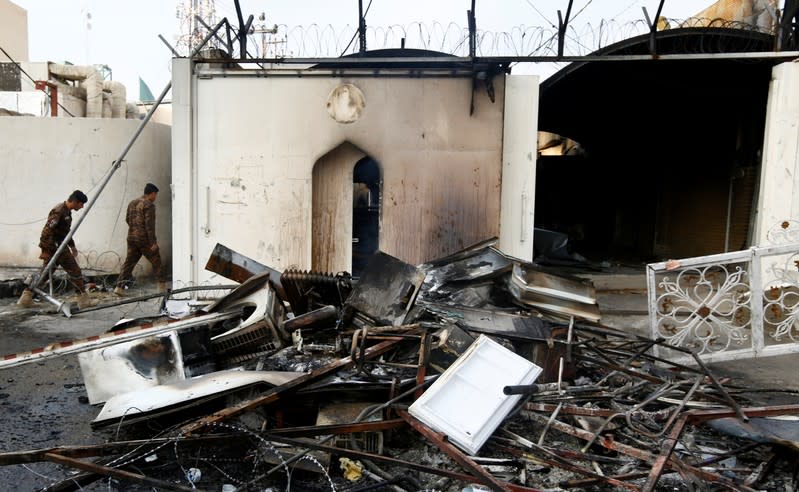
pixel 346 209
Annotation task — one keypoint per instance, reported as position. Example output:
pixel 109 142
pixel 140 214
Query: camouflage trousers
pixel 66 261
pixel 135 252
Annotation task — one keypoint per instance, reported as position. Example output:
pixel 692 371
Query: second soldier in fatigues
pixel 141 239
pixel 55 230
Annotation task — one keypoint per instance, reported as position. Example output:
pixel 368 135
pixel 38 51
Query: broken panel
pixel 385 292
pixel 468 266
pixel 168 397
pixel 553 293
pixel 466 402
pixel 131 366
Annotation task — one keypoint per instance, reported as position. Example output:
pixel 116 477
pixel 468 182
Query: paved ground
pixel 778 372
pixel 43 404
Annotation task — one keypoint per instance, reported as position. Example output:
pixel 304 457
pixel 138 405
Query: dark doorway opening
pixel 670 150
pixel 366 184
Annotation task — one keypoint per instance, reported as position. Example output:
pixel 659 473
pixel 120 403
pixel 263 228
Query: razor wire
pixel 327 40
pixel 211 464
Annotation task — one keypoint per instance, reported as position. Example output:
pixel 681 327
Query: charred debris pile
pixel 472 372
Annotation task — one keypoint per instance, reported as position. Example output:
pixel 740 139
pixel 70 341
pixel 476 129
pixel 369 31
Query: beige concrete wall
pixel 245 147
pixel 14 30
pixel 45 159
pixel 162 114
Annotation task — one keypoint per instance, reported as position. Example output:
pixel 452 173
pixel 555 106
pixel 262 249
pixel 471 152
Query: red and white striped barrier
pixel 110 338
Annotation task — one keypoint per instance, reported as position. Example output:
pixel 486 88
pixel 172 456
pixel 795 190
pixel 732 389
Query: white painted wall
pixel 778 200
pixel 244 149
pixel 184 214
pixel 37 103
pixel 45 159
pixel 162 114
pixel 27 103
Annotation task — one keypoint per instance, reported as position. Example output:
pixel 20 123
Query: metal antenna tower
pixel 190 29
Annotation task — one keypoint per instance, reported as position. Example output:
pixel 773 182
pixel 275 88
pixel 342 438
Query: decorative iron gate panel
pixel 727 306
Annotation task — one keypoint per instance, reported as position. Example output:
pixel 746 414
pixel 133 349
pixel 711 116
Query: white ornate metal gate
pixel 727 306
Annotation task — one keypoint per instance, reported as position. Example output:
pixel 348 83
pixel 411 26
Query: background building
pixel 303 171
pixel 65 136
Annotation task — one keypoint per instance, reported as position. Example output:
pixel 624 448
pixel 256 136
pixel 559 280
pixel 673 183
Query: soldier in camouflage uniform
pixel 141 239
pixel 55 230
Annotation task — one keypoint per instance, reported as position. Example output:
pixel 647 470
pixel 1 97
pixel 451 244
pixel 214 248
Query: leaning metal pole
pixel 63 307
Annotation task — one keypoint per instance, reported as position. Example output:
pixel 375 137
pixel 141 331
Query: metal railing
pixel 727 306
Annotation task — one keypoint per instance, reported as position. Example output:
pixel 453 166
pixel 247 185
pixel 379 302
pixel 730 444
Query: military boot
pixel 119 291
pixel 26 299
pixel 84 301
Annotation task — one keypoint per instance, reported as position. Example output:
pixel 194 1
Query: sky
pixel 123 34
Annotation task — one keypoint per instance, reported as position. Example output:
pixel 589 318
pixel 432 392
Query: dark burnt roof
pixel 435 60
pixel 593 101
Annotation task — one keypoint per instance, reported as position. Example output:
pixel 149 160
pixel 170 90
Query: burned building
pixel 684 150
pixel 316 167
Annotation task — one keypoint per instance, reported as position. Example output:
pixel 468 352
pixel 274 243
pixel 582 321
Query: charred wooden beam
pixel 292 386
pixel 106 449
pixel 324 430
pixel 622 369
pixel 729 399
pixel 586 482
pixel 570 409
pixel 556 461
pixel 116 473
pixel 674 463
pixel 237 267
pixel 699 416
pixel 666 448
pixel 440 440
pixel 603 441
pixel 351 453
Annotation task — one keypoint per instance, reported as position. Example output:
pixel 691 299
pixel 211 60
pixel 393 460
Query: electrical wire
pixel 625 9
pixel 319 41
pixel 529 2
pixel 357 30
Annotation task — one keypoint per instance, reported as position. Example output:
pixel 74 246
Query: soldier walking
pixel 141 239
pixel 55 230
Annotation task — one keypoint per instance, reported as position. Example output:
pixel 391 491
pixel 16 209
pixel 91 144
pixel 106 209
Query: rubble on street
pixel 476 371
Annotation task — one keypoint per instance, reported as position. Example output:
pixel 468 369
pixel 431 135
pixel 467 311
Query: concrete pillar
pixel 183 192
